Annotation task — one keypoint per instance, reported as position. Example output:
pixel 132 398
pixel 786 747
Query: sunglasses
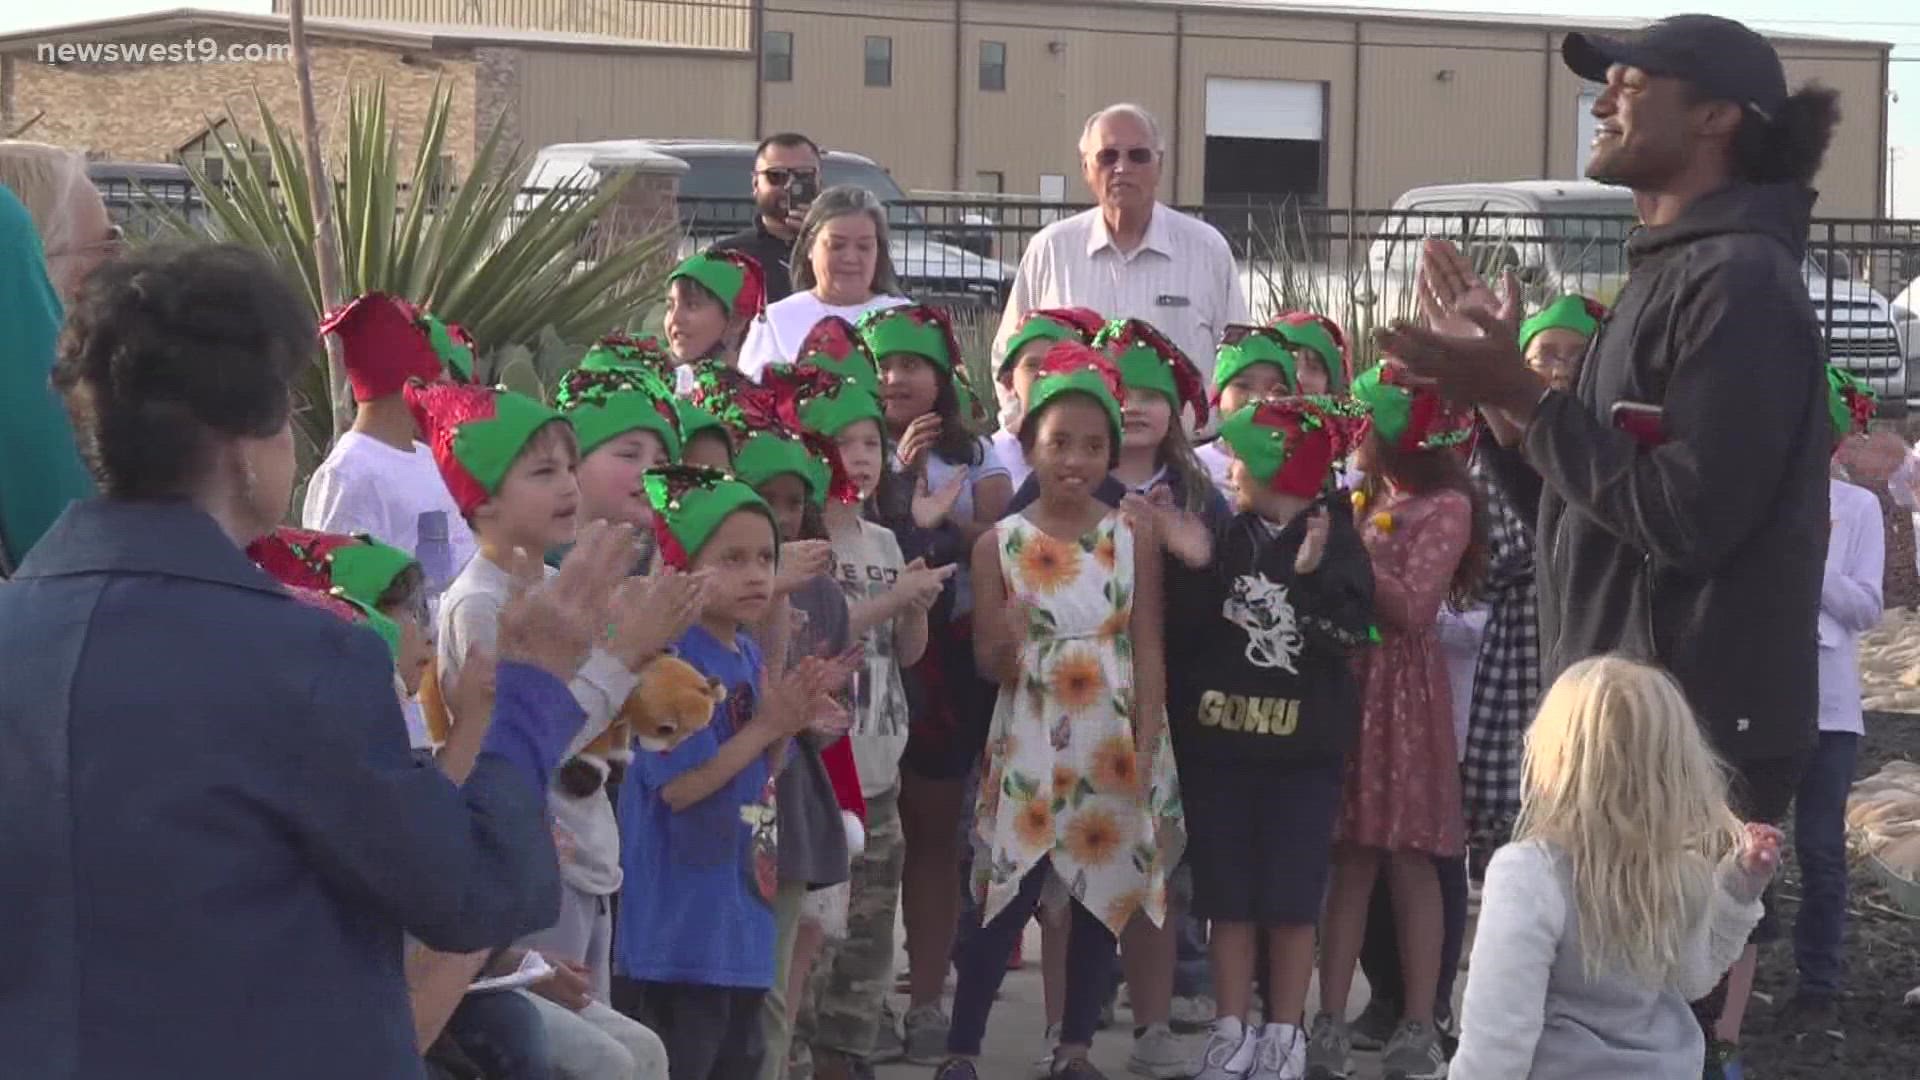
pixel 1108 157
pixel 783 177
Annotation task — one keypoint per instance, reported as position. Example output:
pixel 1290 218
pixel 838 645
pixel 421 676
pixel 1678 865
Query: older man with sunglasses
pixel 1130 256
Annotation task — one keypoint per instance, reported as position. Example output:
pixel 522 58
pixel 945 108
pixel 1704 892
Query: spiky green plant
pixel 533 277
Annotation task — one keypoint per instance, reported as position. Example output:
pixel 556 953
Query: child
pixel 1254 363
pixel 1401 797
pixel 889 600
pixel 1263 611
pixel 794 483
pixel 1036 333
pixel 1078 770
pixel 510 464
pixel 711 299
pixel 1608 913
pixel 956 493
pixel 1322 358
pixel 697 823
pixel 1850 605
pixel 1555 339
pixel 379 479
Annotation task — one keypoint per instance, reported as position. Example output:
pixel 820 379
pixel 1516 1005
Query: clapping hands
pixel 553 622
pixel 1184 536
pixel 1313 546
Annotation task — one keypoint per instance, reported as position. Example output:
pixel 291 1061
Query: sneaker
pixel 1449 1028
pixel 1329 1049
pixel 1280 1055
pixel 1375 1024
pixel 1193 1014
pixel 887 1043
pixel 926 1037
pixel 1217 1060
pixel 1413 1054
pixel 1077 1069
pixel 956 1069
pixel 1043 1065
pixel 1158 1055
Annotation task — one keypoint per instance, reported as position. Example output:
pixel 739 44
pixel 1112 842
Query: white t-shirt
pixel 398 498
pixel 1008 455
pixel 867 563
pixel 776 337
pixel 1215 457
pixel 1850 600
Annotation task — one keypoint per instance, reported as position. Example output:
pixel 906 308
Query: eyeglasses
pixel 110 244
pixel 1108 157
pixel 783 177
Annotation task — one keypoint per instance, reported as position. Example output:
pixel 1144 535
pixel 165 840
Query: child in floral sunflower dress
pixel 1079 775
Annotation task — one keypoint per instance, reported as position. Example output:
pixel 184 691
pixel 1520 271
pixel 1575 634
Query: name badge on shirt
pixel 1170 300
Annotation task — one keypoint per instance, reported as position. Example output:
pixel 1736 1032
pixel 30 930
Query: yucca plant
pixel 532 276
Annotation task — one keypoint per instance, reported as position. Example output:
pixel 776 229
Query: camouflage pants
pixel 852 978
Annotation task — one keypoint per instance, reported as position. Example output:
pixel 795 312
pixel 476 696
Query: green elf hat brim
pixel 488 447
pixel 1073 368
pixel 695 420
pixel 733 277
pixel 833 414
pixel 605 398
pixel 1406 418
pixel 1148 360
pixel 1289 444
pixel 475 433
pixel 616 415
pixel 1570 312
pixel 766 455
pixel 1050 324
pixel 366 570
pixel 451 343
pixel 1260 345
pixel 916 329
pixel 835 345
pixel 689 503
pixel 350 610
pixel 1313 336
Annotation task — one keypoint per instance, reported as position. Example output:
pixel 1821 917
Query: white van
pixel 1570 236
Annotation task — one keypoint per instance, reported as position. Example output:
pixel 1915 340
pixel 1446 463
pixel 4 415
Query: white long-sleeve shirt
pixel 1532 1012
pixel 1850 600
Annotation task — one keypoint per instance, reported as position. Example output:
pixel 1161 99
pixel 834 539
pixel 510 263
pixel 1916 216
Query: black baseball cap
pixel 1725 59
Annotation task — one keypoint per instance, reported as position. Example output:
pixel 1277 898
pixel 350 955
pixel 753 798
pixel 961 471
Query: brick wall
pixel 144 112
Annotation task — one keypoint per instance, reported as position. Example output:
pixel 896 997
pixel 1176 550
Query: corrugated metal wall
pixel 721 24
pixel 577 97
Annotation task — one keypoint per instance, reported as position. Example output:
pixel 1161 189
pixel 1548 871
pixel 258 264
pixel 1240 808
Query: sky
pixel 1896 21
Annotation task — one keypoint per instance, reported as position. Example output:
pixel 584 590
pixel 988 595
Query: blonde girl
pixel 1629 889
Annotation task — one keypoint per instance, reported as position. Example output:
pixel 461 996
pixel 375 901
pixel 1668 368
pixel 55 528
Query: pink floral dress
pixel 1062 776
pixel 1402 790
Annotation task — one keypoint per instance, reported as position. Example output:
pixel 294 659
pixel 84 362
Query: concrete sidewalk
pixel 1016 1037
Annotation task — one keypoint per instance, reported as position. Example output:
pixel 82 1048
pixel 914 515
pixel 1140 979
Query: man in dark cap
pixel 1680 488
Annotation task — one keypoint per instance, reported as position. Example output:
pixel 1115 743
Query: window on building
pixel 993 65
pixel 879 61
pixel 990 183
pixel 776 55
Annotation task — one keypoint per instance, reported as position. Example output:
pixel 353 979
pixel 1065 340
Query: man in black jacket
pixel 1681 489
pixel 782 164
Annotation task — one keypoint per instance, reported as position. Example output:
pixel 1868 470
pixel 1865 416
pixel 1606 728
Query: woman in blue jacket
pixel 215 834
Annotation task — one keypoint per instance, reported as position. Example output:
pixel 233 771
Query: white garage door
pixel 1266 109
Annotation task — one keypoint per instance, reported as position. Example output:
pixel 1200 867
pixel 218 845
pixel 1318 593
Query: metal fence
pixel 1357 266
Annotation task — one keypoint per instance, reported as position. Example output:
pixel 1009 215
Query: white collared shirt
pixel 1181 279
pixel 1850 600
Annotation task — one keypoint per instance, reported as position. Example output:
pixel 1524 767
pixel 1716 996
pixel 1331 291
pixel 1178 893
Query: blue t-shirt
pixel 690 911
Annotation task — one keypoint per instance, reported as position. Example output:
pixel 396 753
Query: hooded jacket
pixel 1703 552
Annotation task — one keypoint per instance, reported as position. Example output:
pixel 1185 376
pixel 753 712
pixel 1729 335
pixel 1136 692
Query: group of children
pixel 1151 656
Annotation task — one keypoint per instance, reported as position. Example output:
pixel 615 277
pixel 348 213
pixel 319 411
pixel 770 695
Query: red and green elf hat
pixel 835 345
pixel 825 402
pixel 351 570
pixel 1851 403
pixel 1148 361
pixel 732 401
pixel 386 341
pixel 772 452
pixel 1291 444
pixel 1072 368
pixel 475 433
pixel 1409 418
pixel 1242 346
pixel 1574 312
pixel 1051 324
pixel 690 419
pixel 606 397
pixel 349 611
pixel 918 329
pixel 734 277
pixel 690 502
pixel 804 406
pixel 1306 330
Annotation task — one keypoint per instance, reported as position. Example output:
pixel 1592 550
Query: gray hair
pixel 1139 114
pixel 837 202
pixel 44 177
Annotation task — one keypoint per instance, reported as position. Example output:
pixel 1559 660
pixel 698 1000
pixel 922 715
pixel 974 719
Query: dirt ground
pixel 1878 1037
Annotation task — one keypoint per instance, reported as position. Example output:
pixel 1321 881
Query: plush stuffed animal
pixel 672 701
